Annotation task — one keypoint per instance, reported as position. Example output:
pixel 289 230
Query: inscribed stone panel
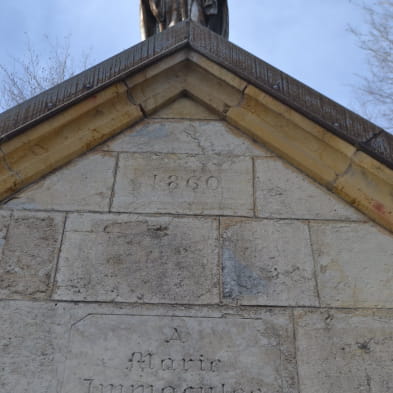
pixel 268 262
pixel 283 192
pixel 29 254
pixel 138 259
pixel 34 337
pixel 184 136
pixel 354 264
pixel 345 351
pixel 157 183
pixel 85 184
pixel 146 354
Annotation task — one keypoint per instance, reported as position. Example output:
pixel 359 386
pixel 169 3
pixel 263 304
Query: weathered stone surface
pixel 368 184
pixel 292 137
pixel 345 351
pixel 185 136
pixel 138 259
pixel 86 184
pixel 56 141
pixel 267 263
pixel 157 183
pixel 153 92
pixel 283 192
pixel 36 349
pixel 4 222
pixel 185 108
pixel 354 264
pixel 218 71
pixel 33 338
pixel 180 354
pixel 29 255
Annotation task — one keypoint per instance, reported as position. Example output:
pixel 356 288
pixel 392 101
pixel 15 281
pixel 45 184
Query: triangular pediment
pixel 215 168
pixel 186 84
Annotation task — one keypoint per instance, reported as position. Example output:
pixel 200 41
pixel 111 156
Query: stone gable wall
pixel 181 252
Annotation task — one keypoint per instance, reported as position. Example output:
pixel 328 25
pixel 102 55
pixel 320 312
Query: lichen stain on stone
pixel 158 231
pixel 365 345
pixel 334 267
pixel 137 228
pixel 240 280
pixel 39 150
pixel 379 207
pixel 127 227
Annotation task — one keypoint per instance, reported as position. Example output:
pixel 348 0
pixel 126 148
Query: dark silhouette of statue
pixel 158 15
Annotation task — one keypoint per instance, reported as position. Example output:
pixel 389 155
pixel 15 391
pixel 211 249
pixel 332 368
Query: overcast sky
pixel 307 39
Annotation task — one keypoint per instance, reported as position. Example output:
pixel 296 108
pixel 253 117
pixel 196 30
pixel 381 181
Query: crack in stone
pixel 331 184
pixel 7 166
pixel 241 100
pixel 196 139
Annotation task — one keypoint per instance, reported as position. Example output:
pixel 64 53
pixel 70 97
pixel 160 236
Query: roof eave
pixel 344 123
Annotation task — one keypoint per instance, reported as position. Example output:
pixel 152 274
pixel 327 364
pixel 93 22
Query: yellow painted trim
pixel 356 177
pixel 51 144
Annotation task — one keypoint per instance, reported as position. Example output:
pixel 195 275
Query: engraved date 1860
pixel 193 183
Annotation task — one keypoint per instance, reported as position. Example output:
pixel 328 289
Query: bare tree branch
pixel 376 89
pixel 35 72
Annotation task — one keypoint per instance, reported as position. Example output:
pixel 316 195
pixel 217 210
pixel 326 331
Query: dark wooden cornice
pixel 344 123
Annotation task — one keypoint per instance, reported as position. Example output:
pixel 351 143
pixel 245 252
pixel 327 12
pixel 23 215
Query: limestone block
pixel 33 338
pixel 368 184
pixel 267 262
pixel 345 351
pixel 153 354
pixel 283 192
pixel 354 264
pixel 185 136
pixel 39 347
pixel 216 93
pixel 138 259
pixel 300 141
pixel 4 222
pixel 157 183
pixel 162 88
pixel 85 184
pixel 29 255
pixel 218 71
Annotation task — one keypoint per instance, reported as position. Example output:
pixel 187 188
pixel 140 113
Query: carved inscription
pixel 171 183
pixel 146 360
pixel 93 387
pixel 135 354
pixel 175 336
pixel 194 183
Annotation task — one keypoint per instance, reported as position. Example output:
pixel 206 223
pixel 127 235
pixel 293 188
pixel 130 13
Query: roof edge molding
pixel 50 144
pixel 365 135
